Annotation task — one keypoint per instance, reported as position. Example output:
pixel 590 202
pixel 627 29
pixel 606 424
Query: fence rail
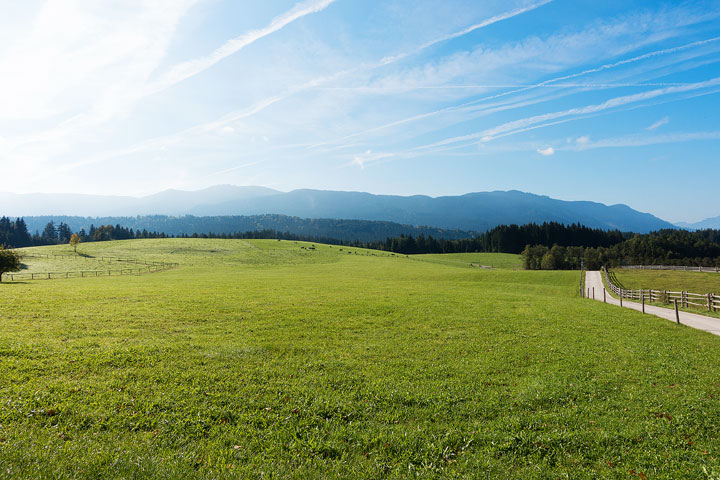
pixel 684 299
pixel 682 268
pixel 147 267
pixel 103 259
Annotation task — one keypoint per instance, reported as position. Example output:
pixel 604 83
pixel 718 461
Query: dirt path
pixel 593 280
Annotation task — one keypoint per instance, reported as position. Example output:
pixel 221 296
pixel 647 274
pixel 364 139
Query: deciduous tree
pixel 9 261
pixel 74 241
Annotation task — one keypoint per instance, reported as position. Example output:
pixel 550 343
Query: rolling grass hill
pixel 495 260
pixel 270 359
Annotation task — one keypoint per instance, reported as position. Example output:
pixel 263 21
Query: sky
pixel 612 101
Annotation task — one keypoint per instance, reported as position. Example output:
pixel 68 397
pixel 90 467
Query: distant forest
pixel 549 246
pixel 343 230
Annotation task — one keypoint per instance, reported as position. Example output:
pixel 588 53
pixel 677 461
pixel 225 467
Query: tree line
pixel 550 245
pixel 553 246
pixel 339 229
pixel 14 234
pixel 664 247
pixel 505 239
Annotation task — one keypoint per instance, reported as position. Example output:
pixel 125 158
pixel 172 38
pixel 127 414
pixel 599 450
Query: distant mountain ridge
pixel 471 212
pixel 712 223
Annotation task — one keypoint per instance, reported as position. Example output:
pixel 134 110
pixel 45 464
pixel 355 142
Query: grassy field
pixel 494 260
pixel 671 280
pixel 696 282
pixel 266 359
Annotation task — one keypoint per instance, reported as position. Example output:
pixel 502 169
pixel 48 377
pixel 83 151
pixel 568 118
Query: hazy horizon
pixel 147 196
pixel 608 102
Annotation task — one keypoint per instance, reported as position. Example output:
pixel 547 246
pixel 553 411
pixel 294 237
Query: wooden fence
pixel 146 267
pixel 102 259
pixel 684 299
pixel 673 267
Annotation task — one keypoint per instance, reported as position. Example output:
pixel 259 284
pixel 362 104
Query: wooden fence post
pixel 593 293
pixel 604 295
pixel 643 303
pixel 677 313
pixel 622 293
pixel 709 301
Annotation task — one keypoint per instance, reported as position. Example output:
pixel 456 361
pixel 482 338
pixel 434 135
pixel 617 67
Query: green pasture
pixel 76 263
pixel 672 280
pixel 267 359
pixel 494 260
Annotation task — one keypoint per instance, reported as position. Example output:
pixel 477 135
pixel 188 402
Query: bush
pixel 9 261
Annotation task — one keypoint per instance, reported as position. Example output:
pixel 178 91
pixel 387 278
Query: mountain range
pixel 471 212
pixel 713 223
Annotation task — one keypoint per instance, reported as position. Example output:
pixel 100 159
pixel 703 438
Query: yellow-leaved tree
pixel 74 241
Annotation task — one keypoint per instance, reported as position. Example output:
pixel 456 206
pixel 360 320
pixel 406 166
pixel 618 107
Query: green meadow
pixel 672 280
pixel 696 282
pixel 493 260
pixel 269 359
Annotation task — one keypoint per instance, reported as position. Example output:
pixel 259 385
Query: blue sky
pixel 612 101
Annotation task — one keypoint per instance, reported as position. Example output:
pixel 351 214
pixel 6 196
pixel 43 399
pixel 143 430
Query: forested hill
pixel 477 212
pixel 547 246
pixel 343 230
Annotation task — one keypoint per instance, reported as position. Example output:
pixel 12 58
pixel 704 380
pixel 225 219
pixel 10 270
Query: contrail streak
pixel 546 83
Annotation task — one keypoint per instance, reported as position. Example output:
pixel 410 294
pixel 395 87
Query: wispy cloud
pixel 327 79
pixel 121 94
pixel 550 83
pixel 237 167
pixel 369 157
pixel 261 105
pixel 584 140
pixel 465 31
pixel 190 68
pixel 524 123
pixel 647 140
pixel 72 52
pixel 663 121
pixel 546 152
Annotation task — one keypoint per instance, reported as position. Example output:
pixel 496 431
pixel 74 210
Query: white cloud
pixel 360 160
pixel 546 152
pixel 187 69
pixel 643 140
pixel 528 51
pixel 582 140
pixel 80 54
pixel 100 59
pixel 659 123
pixel 369 157
pixel 554 118
pixel 470 29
